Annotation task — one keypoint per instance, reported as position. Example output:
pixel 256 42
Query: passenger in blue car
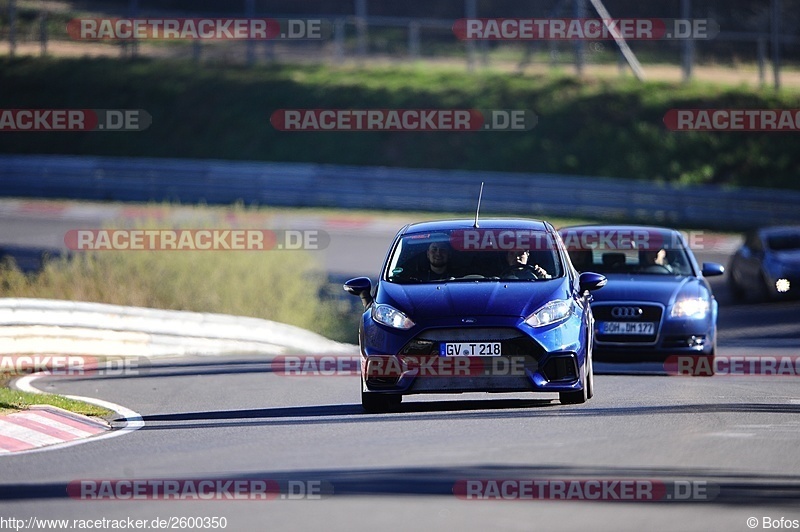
pixel 438 266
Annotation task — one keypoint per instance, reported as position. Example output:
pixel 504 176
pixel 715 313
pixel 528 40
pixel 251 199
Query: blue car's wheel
pixel 590 379
pixel 380 402
pixel 737 291
pixel 581 396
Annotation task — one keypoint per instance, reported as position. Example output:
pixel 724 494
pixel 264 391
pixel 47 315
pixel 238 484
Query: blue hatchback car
pixel 465 308
pixel 658 303
pixel 767 265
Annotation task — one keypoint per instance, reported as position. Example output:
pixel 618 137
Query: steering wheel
pixel 657 268
pixel 529 271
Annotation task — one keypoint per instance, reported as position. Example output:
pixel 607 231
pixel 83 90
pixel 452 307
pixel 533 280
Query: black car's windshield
pixel 664 255
pixel 475 255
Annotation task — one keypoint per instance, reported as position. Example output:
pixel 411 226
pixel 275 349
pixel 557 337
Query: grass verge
pixel 283 286
pixel 14 400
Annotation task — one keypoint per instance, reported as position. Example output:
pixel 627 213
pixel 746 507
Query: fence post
pixel 687 57
pixel 43 28
pixel 470 11
pixel 131 46
pixel 776 42
pixel 249 13
pixel 338 40
pixel 413 39
pixel 361 27
pixel 197 51
pixel 579 11
pixel 134 14
pixel 269 51
pixel 12 28
pixel 484 53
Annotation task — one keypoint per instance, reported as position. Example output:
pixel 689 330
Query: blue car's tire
pixel 376 403
pixel 581 396
pixel 590 379
pixel 737 292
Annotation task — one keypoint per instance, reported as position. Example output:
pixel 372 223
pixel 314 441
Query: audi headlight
pixel 696 308
pixel 391 317
pixel 551 312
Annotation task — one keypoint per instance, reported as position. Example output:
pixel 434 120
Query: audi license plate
pixel 626 327
pixel 470 349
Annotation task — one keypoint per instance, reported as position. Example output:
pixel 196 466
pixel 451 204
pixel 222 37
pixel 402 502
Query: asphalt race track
pixel 711 451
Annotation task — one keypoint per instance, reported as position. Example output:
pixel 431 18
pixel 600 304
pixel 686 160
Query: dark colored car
pixel 767 265
pixel 657 302
pixel 460 308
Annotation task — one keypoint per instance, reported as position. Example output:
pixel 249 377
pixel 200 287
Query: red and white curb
pixel 45 427
pixel 42 425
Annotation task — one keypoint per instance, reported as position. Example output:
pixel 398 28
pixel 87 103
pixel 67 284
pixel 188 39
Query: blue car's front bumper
pixel 546 359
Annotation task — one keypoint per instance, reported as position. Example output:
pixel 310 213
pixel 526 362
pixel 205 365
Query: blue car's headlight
pixel 695 307
pixel 391 317
pixel 551 312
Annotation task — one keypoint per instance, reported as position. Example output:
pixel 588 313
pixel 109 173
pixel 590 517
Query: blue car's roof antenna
pixel 478 210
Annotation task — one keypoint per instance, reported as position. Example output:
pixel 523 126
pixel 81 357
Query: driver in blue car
pixel 654 260
pixel 518 267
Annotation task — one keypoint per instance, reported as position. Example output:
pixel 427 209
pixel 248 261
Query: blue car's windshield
pixel 475 255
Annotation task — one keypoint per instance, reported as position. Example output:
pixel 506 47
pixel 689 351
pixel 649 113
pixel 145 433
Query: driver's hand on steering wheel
pixel 540 272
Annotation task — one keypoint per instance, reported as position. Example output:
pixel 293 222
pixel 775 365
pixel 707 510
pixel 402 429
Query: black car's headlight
pixel 391 317
pixel 692 307
pixel 552 312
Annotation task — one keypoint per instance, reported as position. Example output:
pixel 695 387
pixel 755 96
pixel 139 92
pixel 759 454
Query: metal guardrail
pixel 74 327
pixel 351 187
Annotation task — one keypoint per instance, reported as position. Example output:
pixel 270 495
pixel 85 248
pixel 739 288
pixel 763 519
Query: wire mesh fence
pixel 756 41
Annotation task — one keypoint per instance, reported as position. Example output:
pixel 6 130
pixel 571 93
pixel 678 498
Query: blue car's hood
pixel 462 298
pixel 658 288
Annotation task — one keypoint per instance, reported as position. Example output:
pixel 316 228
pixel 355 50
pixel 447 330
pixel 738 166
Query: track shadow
pixel 435 410
pixel 722 487
pixel 147 368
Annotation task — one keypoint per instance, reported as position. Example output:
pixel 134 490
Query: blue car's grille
pixel 514 342
pixel 471 334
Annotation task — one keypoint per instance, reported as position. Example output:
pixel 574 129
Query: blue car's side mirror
pixel 590 281
pixel 360 286
pixel 711 269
